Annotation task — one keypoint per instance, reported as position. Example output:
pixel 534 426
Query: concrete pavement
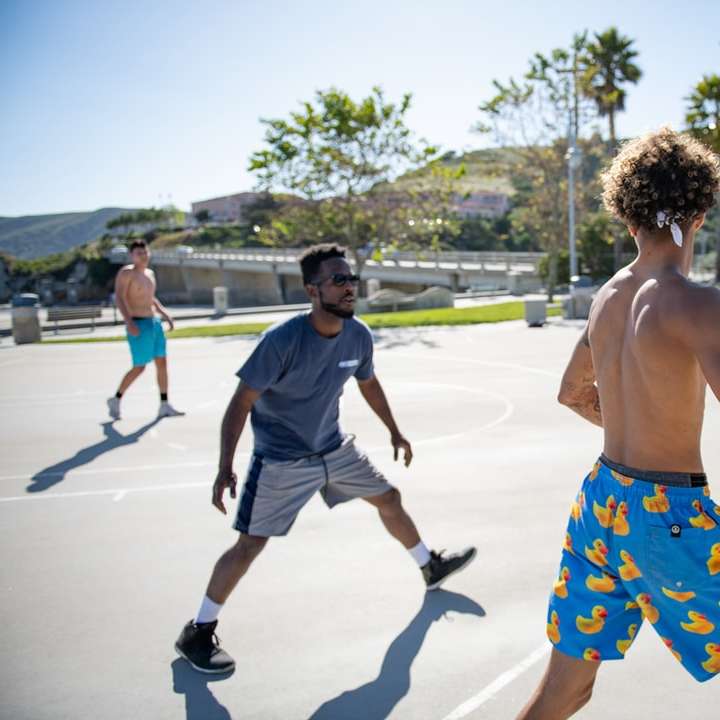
pixel 109 538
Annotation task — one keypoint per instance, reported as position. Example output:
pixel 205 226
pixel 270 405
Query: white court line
pixel 507 412
pixel 488 363
pixel 125 469
pixel 489 691
pixel 509 409
pixel 117 493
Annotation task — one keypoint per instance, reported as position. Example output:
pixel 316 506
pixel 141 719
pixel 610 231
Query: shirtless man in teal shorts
pixel 135 298
pixel 643 539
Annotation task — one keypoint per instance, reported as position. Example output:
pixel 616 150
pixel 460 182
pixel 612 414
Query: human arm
pixel 122 281
pixel 164 314
pixel 374 396
pixel 230 431
pixel 578 390
pixel 704 336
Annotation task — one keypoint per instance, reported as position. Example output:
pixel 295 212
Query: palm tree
pixel 703 120
pixel 608 62
pixel 608 65
pixel 703 112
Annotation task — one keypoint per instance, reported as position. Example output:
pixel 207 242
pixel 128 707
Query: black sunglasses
pixel 339 279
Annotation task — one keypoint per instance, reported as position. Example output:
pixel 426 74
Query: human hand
pixel 226 478
pixel 132 328
pixel 400 443
pixel 171 324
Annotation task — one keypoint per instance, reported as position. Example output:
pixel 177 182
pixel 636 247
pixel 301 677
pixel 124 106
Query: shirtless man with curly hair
pixel 643 542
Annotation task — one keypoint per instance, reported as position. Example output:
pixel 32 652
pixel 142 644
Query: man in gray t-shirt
pixel 291 387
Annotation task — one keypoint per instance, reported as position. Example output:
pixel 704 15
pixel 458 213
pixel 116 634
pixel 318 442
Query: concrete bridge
pixel 262 276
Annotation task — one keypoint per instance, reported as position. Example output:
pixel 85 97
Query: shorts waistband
pixel 145 317
pixel 671 479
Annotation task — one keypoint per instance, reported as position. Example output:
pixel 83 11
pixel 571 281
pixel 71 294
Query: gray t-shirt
pixel 301 375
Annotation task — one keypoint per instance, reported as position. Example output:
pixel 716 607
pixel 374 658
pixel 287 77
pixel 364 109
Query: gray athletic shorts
pixel 275 490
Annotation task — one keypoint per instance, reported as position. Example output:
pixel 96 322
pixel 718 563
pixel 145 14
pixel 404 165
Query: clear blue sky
pixel 134 103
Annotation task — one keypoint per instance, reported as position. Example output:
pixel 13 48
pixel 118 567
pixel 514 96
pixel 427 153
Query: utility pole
pixel 573 158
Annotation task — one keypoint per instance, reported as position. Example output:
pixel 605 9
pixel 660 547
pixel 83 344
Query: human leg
pixel 395 518
pixel 565 687
pixel 232 565
pixel 129 378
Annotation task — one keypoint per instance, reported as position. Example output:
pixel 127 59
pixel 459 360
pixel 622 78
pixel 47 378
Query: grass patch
pixel 500 312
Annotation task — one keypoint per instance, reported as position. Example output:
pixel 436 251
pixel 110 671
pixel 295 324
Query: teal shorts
pixel 149 344
pixel 640 546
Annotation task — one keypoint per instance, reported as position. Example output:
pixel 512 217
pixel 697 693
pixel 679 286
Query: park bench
pixel 86 312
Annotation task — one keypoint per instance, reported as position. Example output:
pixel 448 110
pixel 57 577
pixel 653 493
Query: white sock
pixel 208 611
pixel 420 554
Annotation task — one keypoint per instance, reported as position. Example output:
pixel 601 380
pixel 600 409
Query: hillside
pixel 33 236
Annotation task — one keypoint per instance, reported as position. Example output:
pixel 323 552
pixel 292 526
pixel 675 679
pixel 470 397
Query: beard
pixel 335 309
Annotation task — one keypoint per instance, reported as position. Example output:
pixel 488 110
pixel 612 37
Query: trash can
pixel 535 312
pixel 25 318
pixel 577 306
pixel 220 300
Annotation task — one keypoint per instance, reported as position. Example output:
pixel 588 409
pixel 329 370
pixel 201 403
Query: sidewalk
pixel 198 315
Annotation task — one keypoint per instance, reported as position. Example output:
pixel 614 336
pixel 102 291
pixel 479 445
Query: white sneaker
pixel 167 410
pixel 113 404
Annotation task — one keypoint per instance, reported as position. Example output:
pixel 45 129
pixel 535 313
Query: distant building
pixel 487 204
pixel 228 208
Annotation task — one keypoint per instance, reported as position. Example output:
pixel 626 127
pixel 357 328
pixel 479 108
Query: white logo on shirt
pixel 348 363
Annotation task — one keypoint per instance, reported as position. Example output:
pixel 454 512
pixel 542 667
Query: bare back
pixel 650 381
pixel 136 288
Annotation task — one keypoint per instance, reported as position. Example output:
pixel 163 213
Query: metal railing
pixel 440 260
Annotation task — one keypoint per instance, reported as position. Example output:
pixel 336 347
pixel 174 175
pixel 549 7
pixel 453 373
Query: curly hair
pixel 314 256
pixel 662 171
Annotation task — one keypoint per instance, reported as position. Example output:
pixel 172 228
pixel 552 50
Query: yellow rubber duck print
pixel 603 584
pixel 679 596
pixel 622 479
pixel 560 585
pixel 621 525
pixel 567 545
pixel 577 507
pixel 628 570
pixel 630 605
pixel 669 645
pixel 553 628
pixel 591 655
pixel 658 502
pixel 605 515
pixel 713 562
pixel 649 611
pixel 594 472
pixel 702 519
pixel 623 645
pixel 699 625
pixel 712 664
pixel 598 554
pixel 593 624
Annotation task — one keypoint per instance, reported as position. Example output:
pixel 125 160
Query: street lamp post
pixel 573 157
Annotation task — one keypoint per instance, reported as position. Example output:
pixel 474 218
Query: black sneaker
pixel 200 646
pixel 440 568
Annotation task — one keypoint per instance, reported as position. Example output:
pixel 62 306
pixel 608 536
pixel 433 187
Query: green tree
pixel 608 67
pixel 339 157
pixel 531 120
pixel 703 111
pixel 703 120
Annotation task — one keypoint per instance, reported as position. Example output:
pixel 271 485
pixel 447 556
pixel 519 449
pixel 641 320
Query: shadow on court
pixel 375 700
pixel 200 703
pixel 54 474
